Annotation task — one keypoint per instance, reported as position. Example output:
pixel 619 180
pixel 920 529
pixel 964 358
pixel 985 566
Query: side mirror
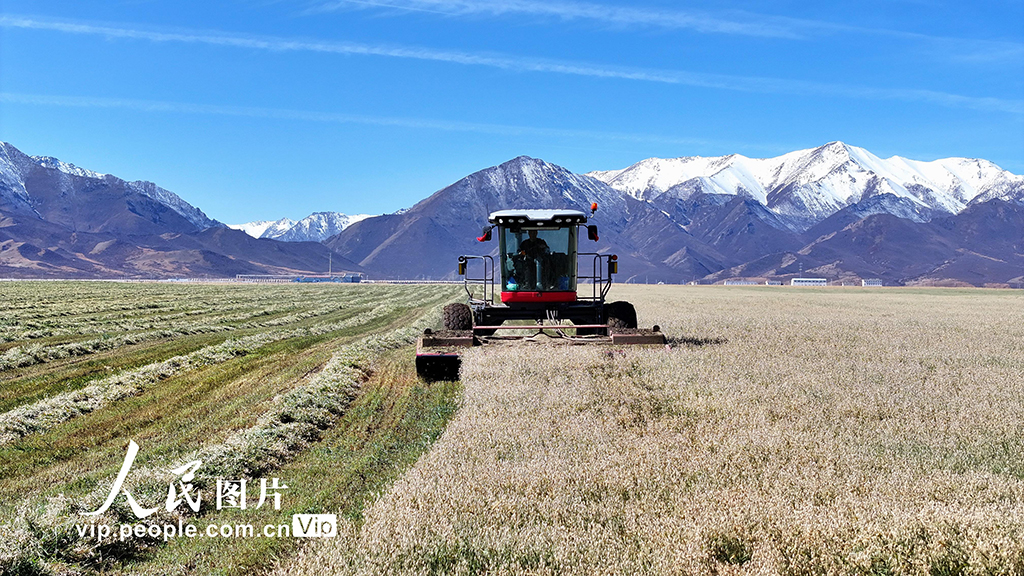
pixel 592 232
pixel 485 236
pixel 462 265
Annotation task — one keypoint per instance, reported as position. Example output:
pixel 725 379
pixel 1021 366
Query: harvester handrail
pixel 599 280
pixel 486 281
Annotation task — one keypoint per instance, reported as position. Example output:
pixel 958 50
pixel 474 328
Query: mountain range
pixel 835 211
pixel 316 227
pixel 61 221
pixel 807 186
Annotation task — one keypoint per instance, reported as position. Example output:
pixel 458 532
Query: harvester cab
pixel 538 274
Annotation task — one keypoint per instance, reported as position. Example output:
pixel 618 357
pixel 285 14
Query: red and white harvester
pixel 536 276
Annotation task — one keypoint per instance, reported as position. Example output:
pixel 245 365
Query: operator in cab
pixel 534 247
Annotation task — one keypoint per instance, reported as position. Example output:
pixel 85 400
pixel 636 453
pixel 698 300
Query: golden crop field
pixel 785 431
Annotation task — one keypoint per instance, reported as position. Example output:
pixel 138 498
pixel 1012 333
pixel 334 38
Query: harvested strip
pixel 47 413
pixel 20 357
pixel 58 318
pixel 302 417
pixel 118 323
pixel 309 409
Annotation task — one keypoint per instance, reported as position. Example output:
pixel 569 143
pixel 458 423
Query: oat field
pixel 785 431
pixel 251 380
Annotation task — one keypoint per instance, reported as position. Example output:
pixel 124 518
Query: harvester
pixel 538 276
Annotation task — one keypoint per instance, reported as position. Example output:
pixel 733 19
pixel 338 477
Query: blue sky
pixel 259 109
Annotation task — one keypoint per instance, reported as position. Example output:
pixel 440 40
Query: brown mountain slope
pixel 59 221
pixel 426 240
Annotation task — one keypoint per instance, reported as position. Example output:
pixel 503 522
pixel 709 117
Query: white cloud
pixel 734 22
pixel 701 80
pixel 605 14
pixel 330 117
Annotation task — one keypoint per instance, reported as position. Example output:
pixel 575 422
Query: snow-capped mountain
pixel 836 210
pixel 524 182
pixel 15 166
pixel 65 167
pixel 320 226
pixel 426 240
pixel 254 229
pixel 61 221
pixel 316 227
pixel 277 228
pixel 174 202
pixel 264 228
pixel 811 185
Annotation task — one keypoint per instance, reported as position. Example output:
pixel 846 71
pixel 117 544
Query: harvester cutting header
pixel 538 275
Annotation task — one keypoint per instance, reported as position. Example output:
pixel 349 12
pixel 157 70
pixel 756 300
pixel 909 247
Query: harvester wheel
pixel 619 316
pixel 458 317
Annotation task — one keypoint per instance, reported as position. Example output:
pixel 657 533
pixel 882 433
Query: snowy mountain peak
pixel 65 167
pixel 15 167
pixel 544 184
pixel 175 202
pixel 278 228
pixel 316 227
pixel 813 184
pixel 320 226
pixel 254 229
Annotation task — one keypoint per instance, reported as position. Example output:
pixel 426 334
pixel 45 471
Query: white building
pixel 871 282
pixel 809 282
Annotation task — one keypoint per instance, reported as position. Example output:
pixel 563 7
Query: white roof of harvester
pixel 537 217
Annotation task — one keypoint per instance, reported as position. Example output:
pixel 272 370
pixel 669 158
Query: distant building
pixel 773 282
pixel 741 282
pixel 809 282
pixel 872 282
pixel 265 278
pixel 350 277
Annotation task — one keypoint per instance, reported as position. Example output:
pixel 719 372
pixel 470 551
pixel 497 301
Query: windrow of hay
pixel 788 432
pixel 27 355
pixel 22 356
pixel 43 311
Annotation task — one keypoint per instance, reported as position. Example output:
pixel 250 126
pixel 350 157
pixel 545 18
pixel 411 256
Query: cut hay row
pixel 20 357
pixel 98 302
pixel 56 327
pixel 789 432
pixel 257 311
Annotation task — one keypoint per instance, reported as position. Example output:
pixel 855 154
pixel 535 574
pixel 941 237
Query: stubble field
pixel 787 431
